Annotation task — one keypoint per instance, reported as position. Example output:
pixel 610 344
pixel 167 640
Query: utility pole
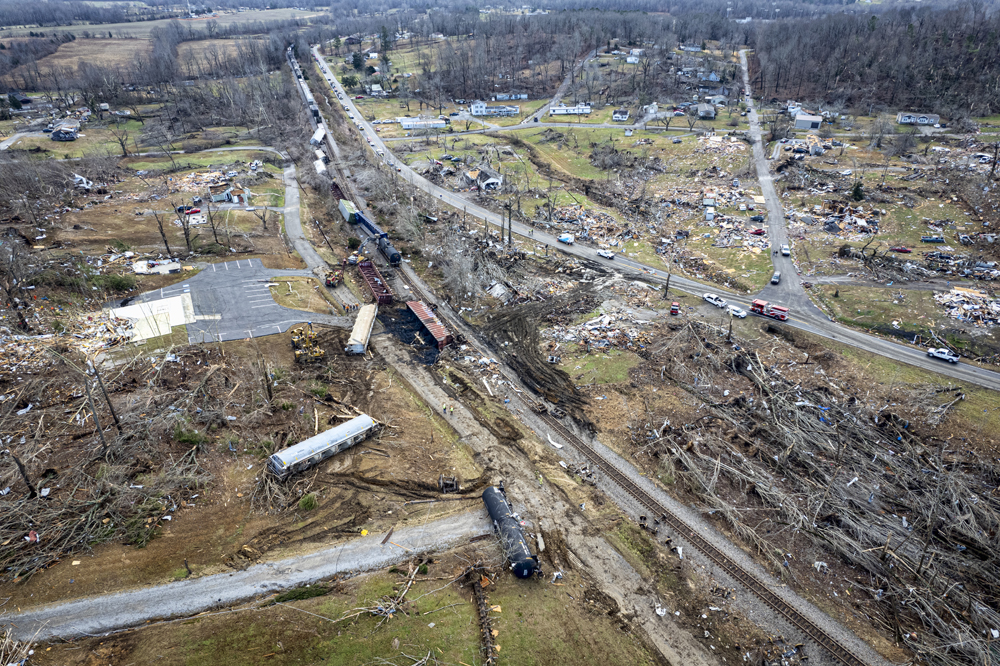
pixel 97 423
pixel 114 414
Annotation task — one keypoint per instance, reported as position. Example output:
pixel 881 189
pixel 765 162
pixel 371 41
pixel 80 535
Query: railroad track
pixel 749 581
pixel 753 584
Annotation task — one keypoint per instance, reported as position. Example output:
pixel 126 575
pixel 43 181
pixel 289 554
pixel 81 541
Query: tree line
pixel 942 60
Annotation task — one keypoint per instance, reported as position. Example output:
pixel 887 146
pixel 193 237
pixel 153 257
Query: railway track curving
pixel 665 515
pixel 748 580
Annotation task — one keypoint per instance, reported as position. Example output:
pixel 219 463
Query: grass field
pixel 104 52
pixel 91 141
pixel 205 52
pixel 142 29
pixel 869 306
pixel 300 294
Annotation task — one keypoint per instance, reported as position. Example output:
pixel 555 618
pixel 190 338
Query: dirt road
pixel 554 515
pixel 98 615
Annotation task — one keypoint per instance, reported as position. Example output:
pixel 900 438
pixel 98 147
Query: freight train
pixel 381 238
pixel 508 529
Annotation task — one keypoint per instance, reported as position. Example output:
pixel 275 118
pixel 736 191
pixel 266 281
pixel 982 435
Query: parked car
pixel 757 232
pixel 776 278
pixel 677 140
pixel 184 209
pixel 901 250
pixel 196 200
pixel 232 174
pixel 757 218
pixel 359 97
pixel 846 172
pixel 715 300
pixel 192 211
pixel 785 251
pixel 453 113
pixel 943 354
pixel 737 312
pixel 607 254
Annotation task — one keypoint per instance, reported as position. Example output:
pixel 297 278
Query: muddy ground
pixel 223 520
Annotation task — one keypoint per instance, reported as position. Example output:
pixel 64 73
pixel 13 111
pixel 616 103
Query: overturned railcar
pixel 507 527
pixel 316 449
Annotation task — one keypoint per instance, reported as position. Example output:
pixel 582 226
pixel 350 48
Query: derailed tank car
pixel 507 527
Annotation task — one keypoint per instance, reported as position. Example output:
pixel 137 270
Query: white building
pixel 563 110
pixel 620 115
pixel 479 108
pixel 637 52
pixel 632 60
pixel 904 118
pixel 421 123
pixel 807 122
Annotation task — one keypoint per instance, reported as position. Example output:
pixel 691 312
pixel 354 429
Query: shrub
pixel 308 502
pixel 114 282
pixel 300 593
pixel 353 243
pixel 190 437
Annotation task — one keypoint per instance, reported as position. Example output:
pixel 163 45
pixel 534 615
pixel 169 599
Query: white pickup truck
pixel 943 354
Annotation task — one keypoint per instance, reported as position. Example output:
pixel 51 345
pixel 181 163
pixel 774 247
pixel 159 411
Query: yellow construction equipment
pixel 304 342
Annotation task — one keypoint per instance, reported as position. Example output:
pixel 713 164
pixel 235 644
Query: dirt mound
pixel 513 333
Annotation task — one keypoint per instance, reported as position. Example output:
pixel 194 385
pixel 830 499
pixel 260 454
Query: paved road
pixel 98 615
pixel 805 315
pixel 789 291
pixel 232 301
pixel 561 90
pixel 293 226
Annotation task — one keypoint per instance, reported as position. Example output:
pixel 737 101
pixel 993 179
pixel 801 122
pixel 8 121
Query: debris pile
pixel 970 305
pixel 718 144
pixel 615 330
pixel 906 518
pixel 838 217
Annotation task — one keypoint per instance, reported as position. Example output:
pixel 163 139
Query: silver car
pixel 715 300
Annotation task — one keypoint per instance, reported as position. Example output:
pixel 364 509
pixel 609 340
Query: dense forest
pixel 932 60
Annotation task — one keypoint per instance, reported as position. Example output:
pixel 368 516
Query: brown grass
pixel 105 52
pixel 205 50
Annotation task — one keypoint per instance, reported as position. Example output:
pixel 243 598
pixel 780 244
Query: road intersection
pixel 805 315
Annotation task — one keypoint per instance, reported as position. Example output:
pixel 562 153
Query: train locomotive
pixel 391 254
pixel 381 238
pixel 508 528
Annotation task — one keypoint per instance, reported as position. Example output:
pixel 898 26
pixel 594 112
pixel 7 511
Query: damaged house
pixel 484 178
pixel 67 130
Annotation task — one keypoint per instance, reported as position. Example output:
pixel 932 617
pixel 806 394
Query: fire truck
pixel 765 309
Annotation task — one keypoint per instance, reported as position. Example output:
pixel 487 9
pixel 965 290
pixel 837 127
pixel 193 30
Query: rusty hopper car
pixel 316 449
pixel 375 282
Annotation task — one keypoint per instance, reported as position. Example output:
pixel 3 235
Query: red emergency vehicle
pixel 767 310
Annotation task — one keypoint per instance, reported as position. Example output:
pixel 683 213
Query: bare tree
pixel 121 135
pixel 185 221
pixel 163 232
pixel 261 215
